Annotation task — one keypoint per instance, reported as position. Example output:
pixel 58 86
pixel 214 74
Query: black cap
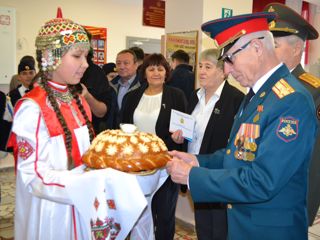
pixel 109 67
pixel 289 22
pixel 25 65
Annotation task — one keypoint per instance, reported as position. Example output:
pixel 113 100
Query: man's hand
pixel 179 170
pixel 85 91
pixel 180 165
pixel 186 157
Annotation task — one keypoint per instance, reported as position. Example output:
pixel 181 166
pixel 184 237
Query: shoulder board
pixel 282 88
pixel 310 79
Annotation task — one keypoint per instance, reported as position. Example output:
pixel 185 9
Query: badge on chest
pixel 245 141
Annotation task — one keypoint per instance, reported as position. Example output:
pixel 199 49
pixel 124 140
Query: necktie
pixel 248 98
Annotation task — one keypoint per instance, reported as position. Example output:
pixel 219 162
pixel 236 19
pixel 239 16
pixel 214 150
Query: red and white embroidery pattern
pixel 24 149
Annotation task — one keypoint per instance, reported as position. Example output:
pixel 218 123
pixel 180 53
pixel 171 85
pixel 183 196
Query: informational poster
pixel 153 13
pixel 187 41
pixel 99 44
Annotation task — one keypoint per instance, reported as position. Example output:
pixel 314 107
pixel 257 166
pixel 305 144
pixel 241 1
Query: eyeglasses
pixel 227 58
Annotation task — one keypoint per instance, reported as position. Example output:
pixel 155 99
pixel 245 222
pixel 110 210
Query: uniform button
pixel 229 206
pixel 228 151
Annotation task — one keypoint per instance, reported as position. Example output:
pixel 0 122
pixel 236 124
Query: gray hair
pixel 212 55
pixel 267 39
pixel 292 40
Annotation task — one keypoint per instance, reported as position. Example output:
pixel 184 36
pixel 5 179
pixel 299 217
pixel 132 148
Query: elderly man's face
pixel 285 51
pixel 241 62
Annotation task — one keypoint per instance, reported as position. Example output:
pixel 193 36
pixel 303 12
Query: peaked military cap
pixel 225 31
pixel 290 22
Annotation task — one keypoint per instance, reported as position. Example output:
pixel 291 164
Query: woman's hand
pixel 177 137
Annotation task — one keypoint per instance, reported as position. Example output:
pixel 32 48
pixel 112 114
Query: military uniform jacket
pixel 263 170
pixel 312 84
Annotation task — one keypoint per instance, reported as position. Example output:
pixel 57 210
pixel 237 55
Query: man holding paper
pixel 213 107
pixel 263 172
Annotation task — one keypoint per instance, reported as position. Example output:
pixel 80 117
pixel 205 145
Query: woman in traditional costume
pixel 51 130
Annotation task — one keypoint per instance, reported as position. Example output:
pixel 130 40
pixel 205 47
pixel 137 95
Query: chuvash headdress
pixel 56 37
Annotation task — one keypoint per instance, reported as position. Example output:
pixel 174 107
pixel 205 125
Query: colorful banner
pixel 187 41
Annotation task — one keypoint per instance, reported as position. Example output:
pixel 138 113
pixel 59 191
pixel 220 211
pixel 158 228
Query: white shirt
pixel 146 114
pixel 201 114
pixel 22 90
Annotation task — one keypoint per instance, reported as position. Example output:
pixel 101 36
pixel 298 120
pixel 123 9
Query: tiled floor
pixel 183 231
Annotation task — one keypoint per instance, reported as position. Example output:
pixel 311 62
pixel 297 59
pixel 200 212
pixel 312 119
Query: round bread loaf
pixel 126 151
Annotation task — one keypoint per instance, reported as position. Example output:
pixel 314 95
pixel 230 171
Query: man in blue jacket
pixel 263 172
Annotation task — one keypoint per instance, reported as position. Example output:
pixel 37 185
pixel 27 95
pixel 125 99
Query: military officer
pixel 262 173
pixel 290 32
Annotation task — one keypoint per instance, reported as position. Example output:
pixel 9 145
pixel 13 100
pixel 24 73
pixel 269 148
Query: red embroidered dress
pixel 42 203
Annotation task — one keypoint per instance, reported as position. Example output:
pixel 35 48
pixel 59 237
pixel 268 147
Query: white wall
pixel 121 17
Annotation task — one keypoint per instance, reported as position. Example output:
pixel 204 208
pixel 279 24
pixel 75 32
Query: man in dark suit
pixel 290 32
pixel 182 75
pixel 26 72
pixel 263 171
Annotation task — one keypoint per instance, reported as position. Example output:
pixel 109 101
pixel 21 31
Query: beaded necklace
pixel 65 96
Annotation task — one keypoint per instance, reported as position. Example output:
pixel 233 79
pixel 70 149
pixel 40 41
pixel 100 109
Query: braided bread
pixel 127 152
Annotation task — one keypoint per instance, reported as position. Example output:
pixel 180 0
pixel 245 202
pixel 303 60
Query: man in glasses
pixel 290 31
pixel 262 173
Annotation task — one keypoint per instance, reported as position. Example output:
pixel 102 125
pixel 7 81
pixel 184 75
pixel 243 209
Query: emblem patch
pixel 288 129
pixel 24 149
pixel 318 112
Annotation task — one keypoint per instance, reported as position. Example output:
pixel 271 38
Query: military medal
pixel 247 144
pixel 253 146
pixel 245 141
pixel 238 155
pixel 249 156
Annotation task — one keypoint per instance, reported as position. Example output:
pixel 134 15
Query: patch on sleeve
pixel 310 79
pixel 24 149
pixel 288 129
pixel 282 88
pixel 318 112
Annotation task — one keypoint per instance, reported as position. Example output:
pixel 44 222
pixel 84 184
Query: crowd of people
pixel 252 167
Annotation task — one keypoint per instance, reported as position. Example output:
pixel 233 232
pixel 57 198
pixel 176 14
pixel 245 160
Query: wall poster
pixel 187 41
pixel 99 44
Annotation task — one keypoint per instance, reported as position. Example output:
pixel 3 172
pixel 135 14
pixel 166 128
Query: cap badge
pixel 271 9
pixel 272 24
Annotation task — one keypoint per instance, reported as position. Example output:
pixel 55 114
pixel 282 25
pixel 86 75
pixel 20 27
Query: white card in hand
pixel 182 121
